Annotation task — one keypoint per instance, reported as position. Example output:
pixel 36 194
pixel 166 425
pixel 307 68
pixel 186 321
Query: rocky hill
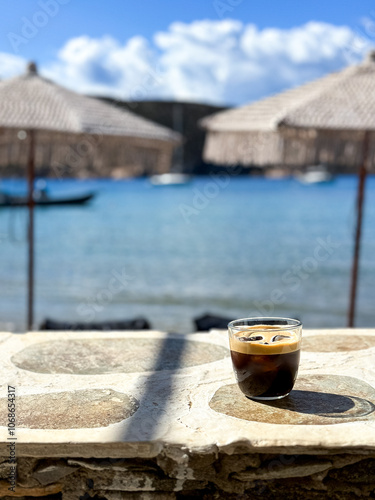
pixel 182 117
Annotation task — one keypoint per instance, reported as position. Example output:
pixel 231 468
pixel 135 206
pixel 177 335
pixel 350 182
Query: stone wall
pixel 238 476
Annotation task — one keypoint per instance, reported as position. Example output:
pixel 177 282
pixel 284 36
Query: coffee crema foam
pixel 265 345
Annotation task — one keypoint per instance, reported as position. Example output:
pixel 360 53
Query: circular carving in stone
pixel 337 343
pixel 315 400
pixel 72 410
pixel 126 355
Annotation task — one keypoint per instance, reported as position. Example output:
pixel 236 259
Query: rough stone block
pixel 77 486
pixel 229 464
pixel 275 469
pixel 47 472
pixel 198 466
pixel 335 487
pixel 341 460
pixel 203 467
pixel 25 465
pixel 360 472
pixel 4 470
pixel 143 495
pixel 131 481
pixel 141 481
pixel 38 492
pixel 114 464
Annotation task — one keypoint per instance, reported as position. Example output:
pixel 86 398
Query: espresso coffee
pixel 265 361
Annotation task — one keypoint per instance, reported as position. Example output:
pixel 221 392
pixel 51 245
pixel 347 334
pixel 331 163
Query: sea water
pixel 232 246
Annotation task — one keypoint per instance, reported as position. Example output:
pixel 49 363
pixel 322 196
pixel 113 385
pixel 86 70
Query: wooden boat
pixel 7 200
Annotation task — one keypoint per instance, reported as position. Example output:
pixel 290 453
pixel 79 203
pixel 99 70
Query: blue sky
pixel 219 51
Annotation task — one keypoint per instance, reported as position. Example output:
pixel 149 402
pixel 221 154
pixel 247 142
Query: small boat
pixel 314 175
pixel 8 200
pixel 171 179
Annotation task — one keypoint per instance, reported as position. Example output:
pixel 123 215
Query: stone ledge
pixel 176 424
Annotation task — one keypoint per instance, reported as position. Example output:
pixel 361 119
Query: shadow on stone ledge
pixel 316 400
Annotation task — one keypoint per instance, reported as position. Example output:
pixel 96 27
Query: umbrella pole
pixel 357 245
pixel 30 231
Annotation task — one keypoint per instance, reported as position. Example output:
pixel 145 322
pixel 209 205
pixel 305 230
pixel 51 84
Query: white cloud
pixel 102 66
pixel 224 61
pixel 11 65
pixel 228 62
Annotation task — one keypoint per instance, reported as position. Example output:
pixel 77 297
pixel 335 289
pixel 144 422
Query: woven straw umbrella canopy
pixel 36 108
pixel 323 120
pixel 330 120
pixel 32 102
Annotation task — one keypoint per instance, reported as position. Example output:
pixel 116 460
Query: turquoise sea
pixel 234 246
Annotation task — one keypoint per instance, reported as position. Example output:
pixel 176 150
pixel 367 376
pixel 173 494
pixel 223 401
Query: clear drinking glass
pixel 265 355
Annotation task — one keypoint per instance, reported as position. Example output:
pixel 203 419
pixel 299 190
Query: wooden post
pixel 30 230
pixel 357 244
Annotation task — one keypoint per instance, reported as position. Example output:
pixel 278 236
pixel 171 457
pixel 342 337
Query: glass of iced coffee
pixel 265 355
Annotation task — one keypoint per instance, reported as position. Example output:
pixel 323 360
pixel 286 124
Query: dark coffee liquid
pixel 266 375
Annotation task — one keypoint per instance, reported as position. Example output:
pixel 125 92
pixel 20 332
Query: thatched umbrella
pixel 33 107
pixel 330 120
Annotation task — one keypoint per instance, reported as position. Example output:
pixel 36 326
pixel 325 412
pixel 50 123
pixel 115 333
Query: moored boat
pixel 171 179
pixel 314 175
pixel 8 200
